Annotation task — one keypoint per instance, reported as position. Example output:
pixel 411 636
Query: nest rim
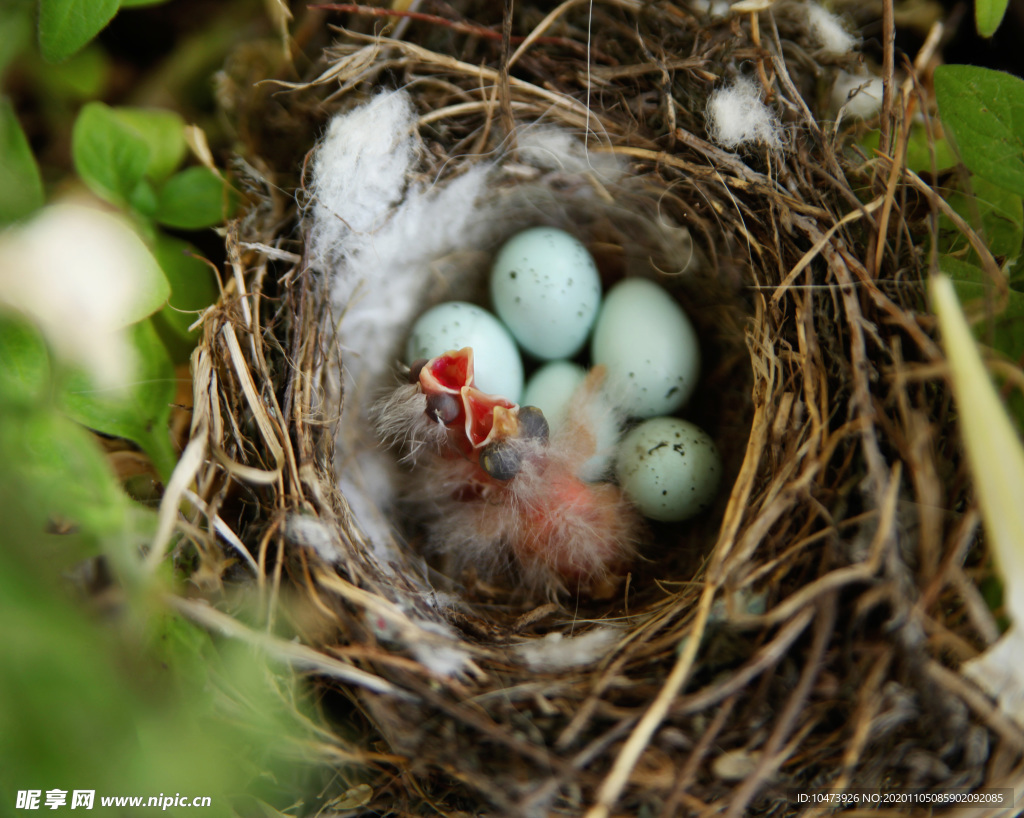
pixel 793 439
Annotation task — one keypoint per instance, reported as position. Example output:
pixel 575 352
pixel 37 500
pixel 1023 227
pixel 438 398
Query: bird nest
pixel 807 631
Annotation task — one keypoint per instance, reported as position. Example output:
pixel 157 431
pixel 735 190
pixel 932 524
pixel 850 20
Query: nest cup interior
pixel 628 232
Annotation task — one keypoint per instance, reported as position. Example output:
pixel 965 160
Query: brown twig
pixel 437 20
pixel 504 91
pixel 888 74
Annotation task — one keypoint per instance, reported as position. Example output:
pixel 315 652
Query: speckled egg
pixel 669 468
pixel 545 287
pixel 649 346
pixel 455 324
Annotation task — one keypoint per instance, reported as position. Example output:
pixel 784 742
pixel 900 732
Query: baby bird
pixel 498 492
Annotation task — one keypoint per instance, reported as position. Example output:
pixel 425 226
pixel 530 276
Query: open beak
pixel 448 372
pixel 488 417
pixel 447 381
pixel 488 421
pixel 442 380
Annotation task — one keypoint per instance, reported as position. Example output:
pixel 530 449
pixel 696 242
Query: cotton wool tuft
pixel 829 31
pixel 717 9
pixel 867 94
pixel 377 233
pixel 359 173
pixel 557 651
pixel 737 116
pixel 309 532
pixel 442 654
pixel 551 148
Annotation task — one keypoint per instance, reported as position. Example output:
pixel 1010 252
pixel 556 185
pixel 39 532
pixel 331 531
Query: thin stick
pixel 755 35
pixel 907 102
pixel 766 657
pixel 819 245
pixel 298 656
pixel 693 763
pixel 888 73
pixel 504 91
pixel 535 35
pixel 437 20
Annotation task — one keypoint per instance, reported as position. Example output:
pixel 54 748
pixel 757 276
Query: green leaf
pixel 21 187
pixel 992 592
pixel 983 111
pixel 16 24
pixel 192 284
pixel 988 14
pixel 920 145
pixel 141 411
pixel 24 363
pixel 164 134
pixel 65 26
pixel 1016 273
pixel 995 213
pixel 194 198
pixel 78 79
pixel 1003 332
pixel 109 154
pixel 143 199
pixel 919 152
pixel 183 648
pixel 60 472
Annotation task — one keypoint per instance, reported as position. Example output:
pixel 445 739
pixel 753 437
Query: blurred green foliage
pixel 130 158
pixel 102 686
pixel 988 14
pixel 982 114
pixel 66 26
pixel 982 117
pixel 142 412
pixel 21 187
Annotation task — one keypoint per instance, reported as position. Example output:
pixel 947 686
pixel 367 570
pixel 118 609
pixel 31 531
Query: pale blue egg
pixel 649 347
pixel 545 287
pixel 456 324
pixel 553 388
pixel 669 468
pixel 550 388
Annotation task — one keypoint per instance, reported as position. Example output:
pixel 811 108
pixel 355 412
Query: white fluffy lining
pixel 558 652
pixel 866 102
pixel 551 148
pixel 376 235
pixel 737 116
pixel 828 30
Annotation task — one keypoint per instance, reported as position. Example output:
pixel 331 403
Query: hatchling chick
pixel 498 492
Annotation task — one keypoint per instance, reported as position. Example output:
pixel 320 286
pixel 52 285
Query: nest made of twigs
pixel 806 633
